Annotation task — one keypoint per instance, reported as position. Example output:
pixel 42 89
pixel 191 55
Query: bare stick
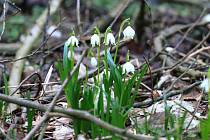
pixel 78 16
pixel 198 51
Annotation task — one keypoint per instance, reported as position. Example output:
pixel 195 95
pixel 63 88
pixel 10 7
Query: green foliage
pixel 72 90
pixel 30 115
pixel 97 99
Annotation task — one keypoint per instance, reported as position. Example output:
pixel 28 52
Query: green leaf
pixel 110 60
pixel 65 59
pixel 30 115
pixel 127 92
pixel 141 74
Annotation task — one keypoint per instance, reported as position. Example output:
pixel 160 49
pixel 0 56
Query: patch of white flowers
pixel 95 40
pixel 73 41
pixel 128 67
pixel 110 40
pixel 128 33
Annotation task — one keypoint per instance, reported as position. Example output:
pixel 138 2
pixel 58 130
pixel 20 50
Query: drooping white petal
pixel 94 40
pixel 72 41
pixel 93 61
pixel 128 33
pixel 110 40
pixel 128 67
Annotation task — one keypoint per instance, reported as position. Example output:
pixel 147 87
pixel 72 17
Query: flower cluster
pixel 109 40
pixel 128 33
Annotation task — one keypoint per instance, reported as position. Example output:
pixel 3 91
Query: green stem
pixel 118 39
pixel 99 57
pixel 72 57
pixel 115 55
pixel 105 63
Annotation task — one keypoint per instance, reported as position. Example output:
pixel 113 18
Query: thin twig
pixel 198 51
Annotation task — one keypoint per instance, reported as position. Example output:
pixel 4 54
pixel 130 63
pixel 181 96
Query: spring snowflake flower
pixel 72 41
pixel 128 33
pixel 94 40
pixel 110 40
pixel 93 61
pixel 128 67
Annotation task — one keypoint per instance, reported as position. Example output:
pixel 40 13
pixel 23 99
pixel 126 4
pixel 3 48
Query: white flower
pixel 72 41
pixel 128 67
pixel 93 61
pixel 94 40
pixel 205 85
pixel 206 18
pixel 110 39
pixel 128 33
